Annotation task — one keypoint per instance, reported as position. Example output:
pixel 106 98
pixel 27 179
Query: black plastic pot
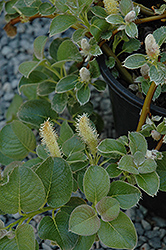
pixel 126 108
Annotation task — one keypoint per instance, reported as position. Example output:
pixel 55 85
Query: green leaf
pixel 119 233
pixel 135 61
pixel 84 221
pixel 148 166
pixel 59 102
pixel 148 182
pixel 11 113
pixel 46 87
pixel 66 83
pixel 39 45
pixel 94 69
pixel 113 170
pixel 57 230
pixel 18 195
pixel 99 85
pixel 157 73
pixel 73 144
pixel 61 23
pixel 126 194
pixel 110 63
pixel 83 94
pixel 99 11
pixel 131 45
pixel 160 35
pixel 131 30
pixel 54 47
pixel 16 140
pixel 96 190
pixel 125 6
pixel 137 143
pixel 76 157
pixel 26 68
pixel 35 112
pixel 41 152
pixel 111 146
pixel 84 242
pixel 4 160
pixel 68 51
pixel 66 132
pixel 46 9
pixel 126 163
pixel 108 208
pixel 115 19
pixel 78 35
pixel 98 26
pixel 161 170
pixel 56 176
pixel 24 239
pixel 72 204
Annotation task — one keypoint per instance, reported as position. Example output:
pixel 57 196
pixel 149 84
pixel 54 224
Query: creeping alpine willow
pixel 87 133
pixel 49 138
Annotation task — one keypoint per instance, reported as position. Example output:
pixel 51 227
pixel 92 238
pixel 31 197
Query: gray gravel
pixel 151 229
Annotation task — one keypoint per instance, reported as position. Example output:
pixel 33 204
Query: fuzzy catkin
pixel 49 138
pixel 87 133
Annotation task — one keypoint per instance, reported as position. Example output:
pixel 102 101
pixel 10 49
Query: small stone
pixel 6 50
pixel 160 222
pixel 14 83
pixel 16 216
pixel 7 87
pixel 146 225
pixel 162 233
pixel 152 234
pixel 155 242
pixel 139 228
pixel 145 246
pixel 8 96
pixel 46 247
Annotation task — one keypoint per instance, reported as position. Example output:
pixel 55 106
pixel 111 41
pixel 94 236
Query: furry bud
pixel 155 135
pixel 152 48
pixel 84 74
pixel 130 17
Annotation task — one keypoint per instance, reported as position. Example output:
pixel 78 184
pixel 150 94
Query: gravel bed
pixel 150 228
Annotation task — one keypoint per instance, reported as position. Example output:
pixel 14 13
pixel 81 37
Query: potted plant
pixel 110 174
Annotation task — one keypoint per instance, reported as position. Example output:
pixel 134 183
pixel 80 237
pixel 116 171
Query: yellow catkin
pixel 111 6
pixel 49 138
pixel 87 133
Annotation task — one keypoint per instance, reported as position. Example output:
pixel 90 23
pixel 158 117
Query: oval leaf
pixel 126 194
pixel 96 190
pixel 148 182
pixel 111 146
pixel 35 112
pixel 66 83
pixel 61 23
pixel 39 44
pixel 119 233
pixel 57 179
pixel 83 95
pixel 137 143
pixel 18 195
pixel 135 61
pixel 84 221
pixel 16 140
pixel 108 208
pixel 57 230
pixel 24 239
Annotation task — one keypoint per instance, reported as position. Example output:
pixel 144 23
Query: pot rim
pixel 122 91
